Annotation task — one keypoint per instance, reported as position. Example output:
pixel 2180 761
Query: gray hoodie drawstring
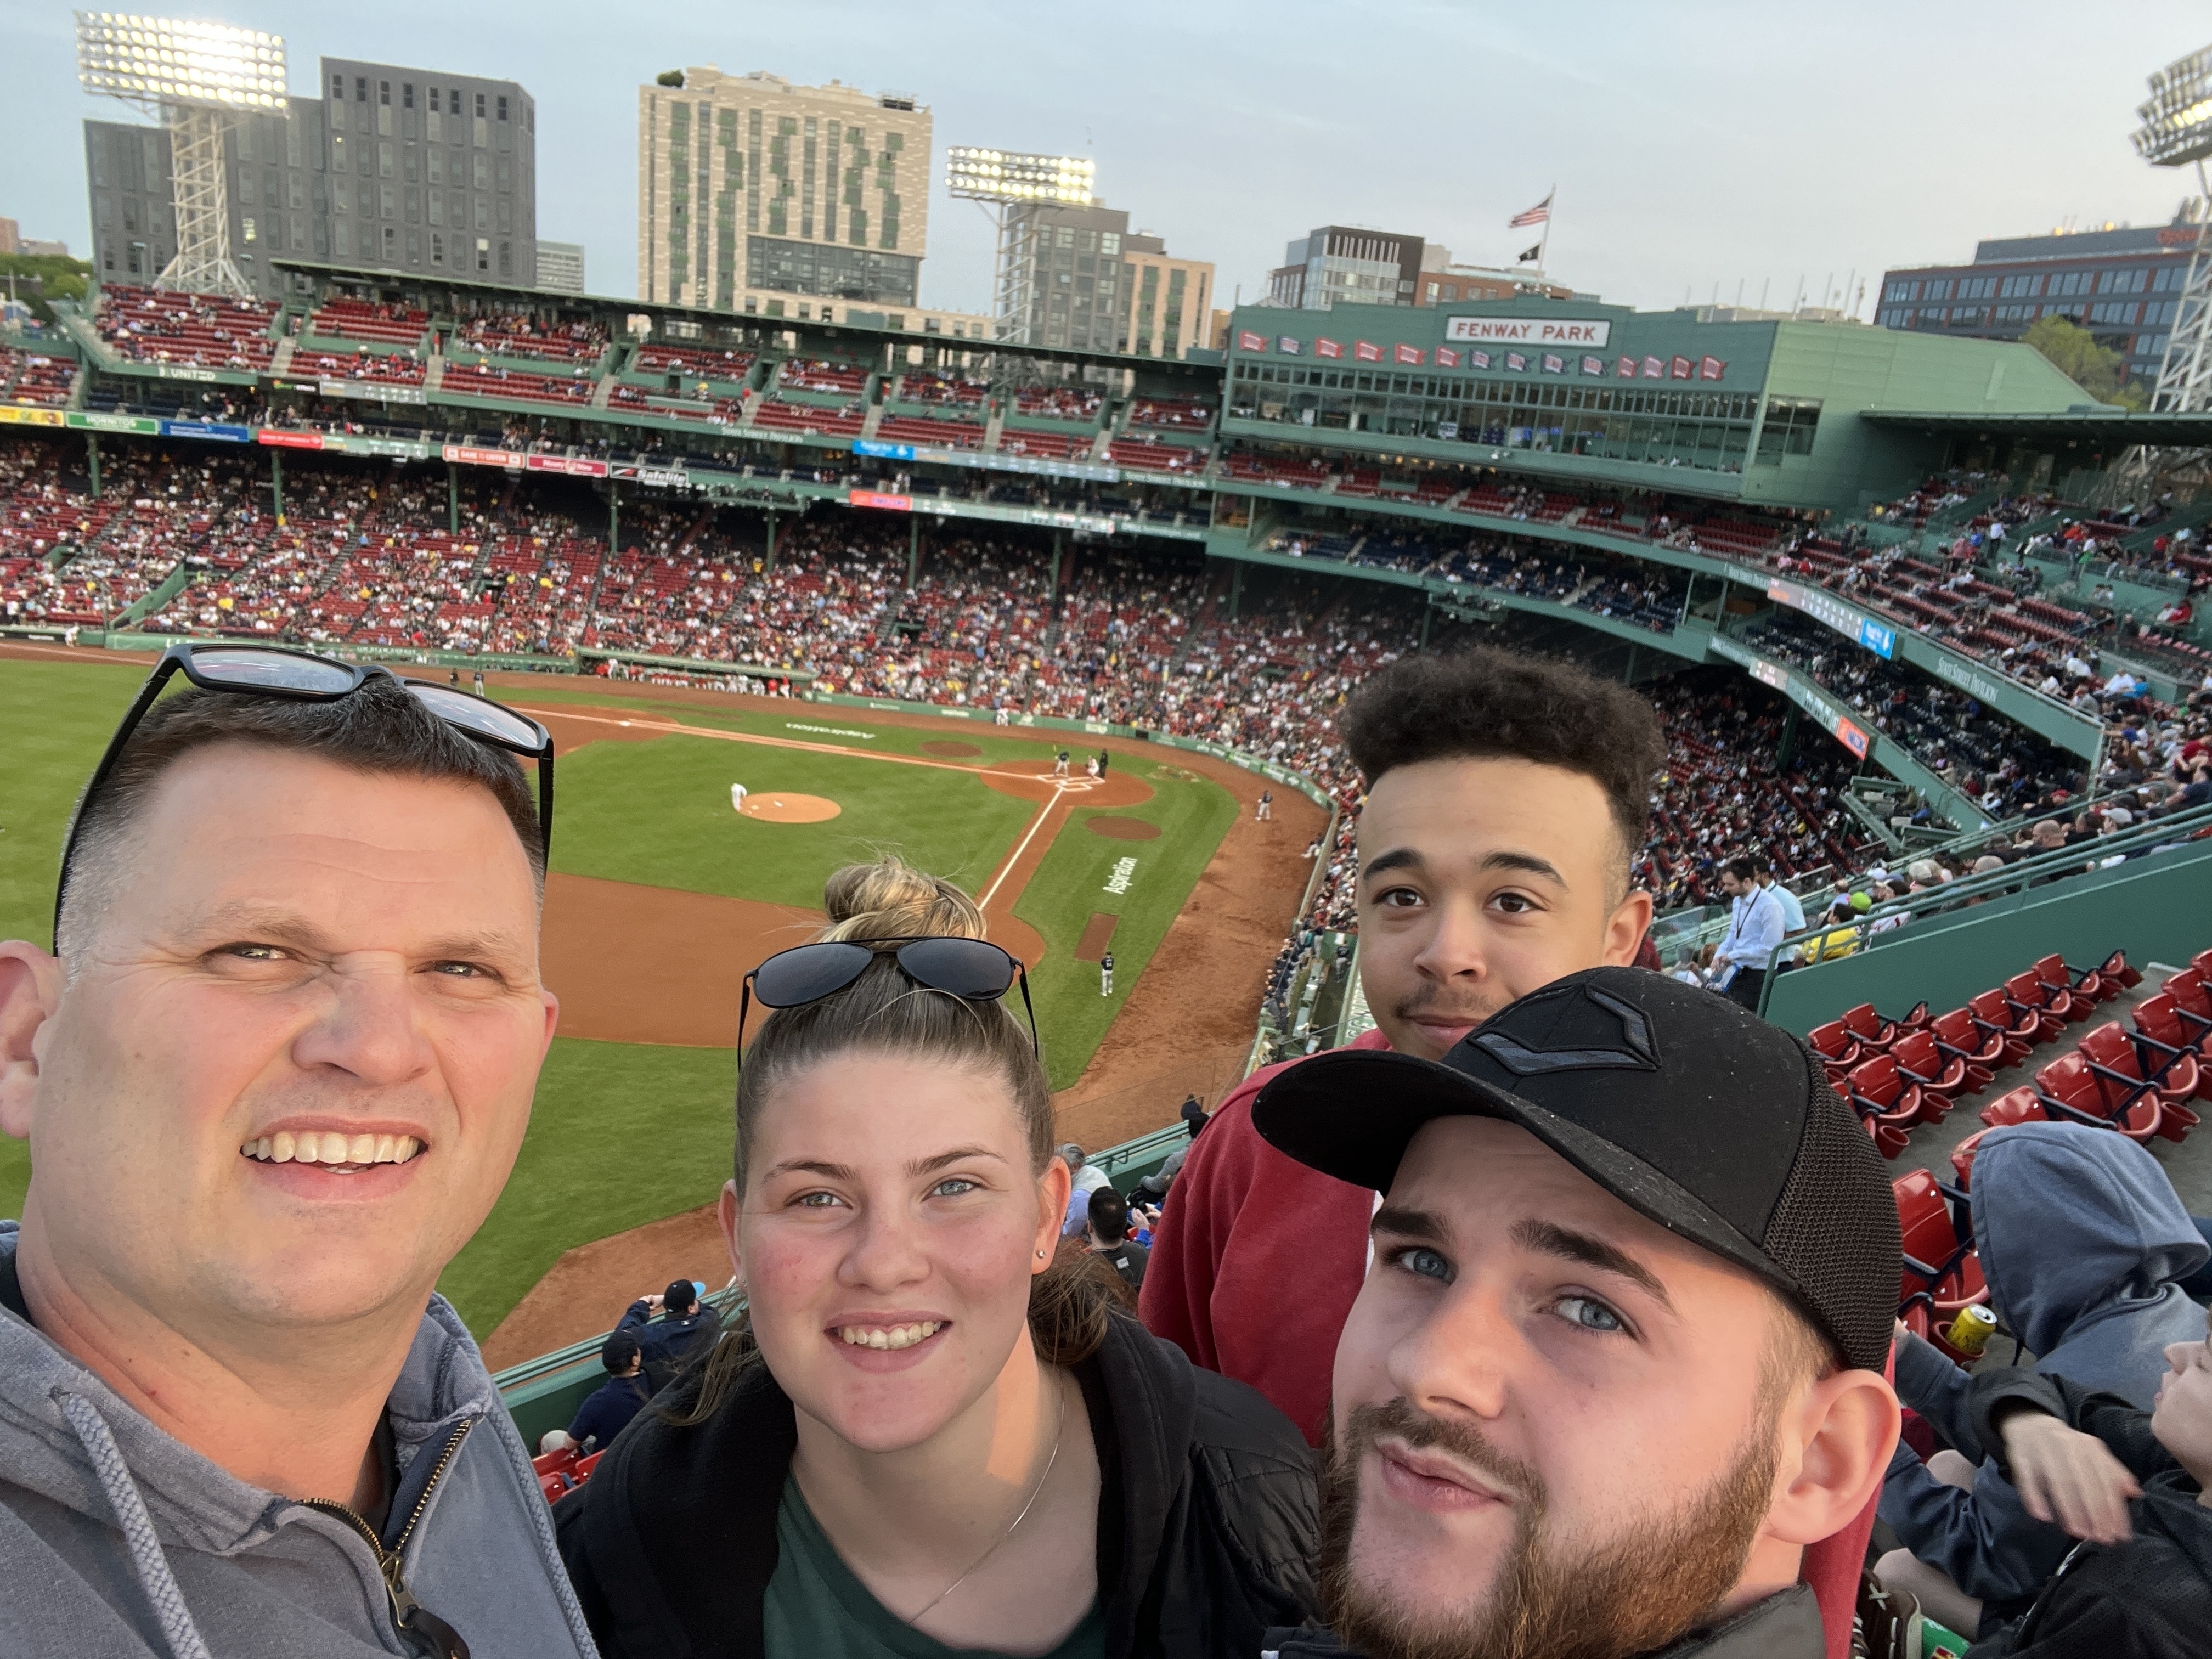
pixel 161 1585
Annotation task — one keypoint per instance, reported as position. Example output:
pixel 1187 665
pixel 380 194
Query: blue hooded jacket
pixel 2080 1237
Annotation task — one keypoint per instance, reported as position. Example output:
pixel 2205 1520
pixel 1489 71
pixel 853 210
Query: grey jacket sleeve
pixel 1939 1391
pixel 1985 1540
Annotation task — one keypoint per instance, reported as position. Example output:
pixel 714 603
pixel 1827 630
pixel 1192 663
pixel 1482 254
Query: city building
pixel 1441 283
pixel 2123 283
pixel 1079 278
pixel 561 267
pixel 774 200
pixel 421 171
pixel 1340 265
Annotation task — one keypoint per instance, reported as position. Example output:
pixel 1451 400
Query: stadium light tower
pixel 2177 132
pixel 197 77
pixel 1000 181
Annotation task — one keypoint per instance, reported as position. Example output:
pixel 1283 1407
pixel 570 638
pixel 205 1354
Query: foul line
pixel 983 900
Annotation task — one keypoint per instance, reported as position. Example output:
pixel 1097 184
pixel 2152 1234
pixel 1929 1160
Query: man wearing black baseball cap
pixel 1618 1360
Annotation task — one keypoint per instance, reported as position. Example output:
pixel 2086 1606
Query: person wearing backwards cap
pixel 1618 1362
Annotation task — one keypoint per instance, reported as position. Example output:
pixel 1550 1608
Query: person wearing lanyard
pixel 1754 931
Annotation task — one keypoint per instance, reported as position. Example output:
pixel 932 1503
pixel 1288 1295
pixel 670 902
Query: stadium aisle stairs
pixel 281 362
pixel 995 427
pixel 870 421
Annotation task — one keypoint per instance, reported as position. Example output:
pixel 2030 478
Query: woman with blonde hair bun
pixel 934 1433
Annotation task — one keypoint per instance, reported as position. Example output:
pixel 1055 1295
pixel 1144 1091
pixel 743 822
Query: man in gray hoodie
pixel 273 1077
pixel 2082 1238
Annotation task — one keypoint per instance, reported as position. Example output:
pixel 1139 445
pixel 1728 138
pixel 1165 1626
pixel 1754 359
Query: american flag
pixel 1535 216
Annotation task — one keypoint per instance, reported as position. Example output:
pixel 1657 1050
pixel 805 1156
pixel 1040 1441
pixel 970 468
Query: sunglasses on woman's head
pixel 266 670
pixel 973 969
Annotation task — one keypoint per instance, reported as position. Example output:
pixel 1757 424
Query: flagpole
pixel 1552 204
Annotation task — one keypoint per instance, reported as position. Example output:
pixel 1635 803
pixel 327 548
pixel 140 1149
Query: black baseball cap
pixel 618 1350
pixel 681 1296
pixel 1692 1112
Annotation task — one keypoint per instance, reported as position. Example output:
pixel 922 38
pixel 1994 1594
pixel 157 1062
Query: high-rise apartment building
pixel 2123 283
pixel 1077 278
pixel 1340 265
pixel 561 267
pixel 757 196
pixel 421 171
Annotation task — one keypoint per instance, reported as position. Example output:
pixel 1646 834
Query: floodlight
pixel 199 77
pixel 166 60
pixel 1003 175
pixel 2177 122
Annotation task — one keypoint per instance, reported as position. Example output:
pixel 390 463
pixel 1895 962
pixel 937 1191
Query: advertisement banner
pixel 470 455
pixel 1367 351
pixel 23 415
pixel 1575 332
pixel 660 478
pixel 1554 363
pixel 1325 347
pixel 278 438
pixel 1412 354
pixel 1289 344
pixel 1477 359
pixel 1592 365
pixel 400 449
pixel 1447 358
pixel 1680 368
pixel 95 420
pixel 1247 341
pixel 1850 736
pixel 880 501
pixel 380 392
pixel 1515 361
pixel 1710 368
pixel 1626 368
pixel 882 451
pixel 1653 369
pixel 565 464
pixel 218 431
pixel 1823 606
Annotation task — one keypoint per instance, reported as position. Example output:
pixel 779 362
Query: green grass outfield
pixel 626 1133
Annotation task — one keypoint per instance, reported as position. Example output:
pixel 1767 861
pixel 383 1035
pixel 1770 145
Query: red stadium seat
pixel 1889 1103
pixel 584 1466
pixel 2126 1057
pixel 1939 1266
pixel 1873 1033
pixel 1980 1053
pixel 1991 1013
pixel 553 1486
pixel 2163 1020
pixel 2070 1083
pixel 2024 994
pixel 2064 1001
pixel 1941 1076
pixel 1838 1049
pixel 1962 1158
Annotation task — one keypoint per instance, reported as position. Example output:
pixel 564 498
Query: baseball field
pixel 665 891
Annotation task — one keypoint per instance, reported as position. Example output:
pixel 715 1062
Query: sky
pixel 1698 151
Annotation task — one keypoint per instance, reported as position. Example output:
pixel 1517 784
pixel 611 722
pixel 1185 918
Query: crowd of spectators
pixel 199 331
pixel 519 334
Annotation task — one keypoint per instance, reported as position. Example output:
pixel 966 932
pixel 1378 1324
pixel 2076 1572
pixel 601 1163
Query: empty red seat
pixel 1980 1054
pixel 2163 1020
pixel 1888 1103
pixel 1941 1268
pixel 2066 1002
pixel 1940 1075
pixel 1869 1028
pixel 584 1466
pixel 2026 993
pixel 2128 1057
pixel 553 1486
pixel 1962 1158
pixel 2131 1108
pixel 1990 1011
pixel 1838 1049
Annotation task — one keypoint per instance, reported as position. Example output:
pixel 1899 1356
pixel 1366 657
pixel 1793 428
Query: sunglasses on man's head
pixel 268 671
pixel 973 969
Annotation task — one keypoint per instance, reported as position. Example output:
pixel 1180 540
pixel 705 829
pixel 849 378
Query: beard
pixel 1647 1584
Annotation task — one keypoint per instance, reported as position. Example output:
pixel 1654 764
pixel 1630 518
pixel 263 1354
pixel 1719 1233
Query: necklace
pixel 1060 1427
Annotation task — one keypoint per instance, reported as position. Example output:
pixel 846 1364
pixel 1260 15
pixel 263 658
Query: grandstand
pixel 1866 653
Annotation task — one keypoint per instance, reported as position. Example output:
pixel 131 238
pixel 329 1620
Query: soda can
pixel 1970 1331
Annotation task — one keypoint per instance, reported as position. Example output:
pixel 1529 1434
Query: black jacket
pixel 2150 1598
pixel 666 1343
pixel 1207 1516
pixel 1786 1625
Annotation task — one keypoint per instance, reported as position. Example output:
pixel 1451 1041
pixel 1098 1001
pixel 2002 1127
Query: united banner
pixel 1447 358
pixel 1477 359
pixel 1411 355
pixel 1367 351
pixel 1626 369
pixel 1325 347
pixel 1680 368
pixel 1515 361
pixel 1554 364
pixel 1592 365
pixel 1653 369
pixel 1710 368
pixel 1289 344
pixel 1247 341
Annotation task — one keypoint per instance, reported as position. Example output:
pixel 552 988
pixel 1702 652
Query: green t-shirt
pixel 816 1608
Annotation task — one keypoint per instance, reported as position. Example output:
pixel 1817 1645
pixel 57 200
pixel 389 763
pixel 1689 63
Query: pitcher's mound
pixel 790 809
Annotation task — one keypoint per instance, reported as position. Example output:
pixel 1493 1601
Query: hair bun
pixel 890 898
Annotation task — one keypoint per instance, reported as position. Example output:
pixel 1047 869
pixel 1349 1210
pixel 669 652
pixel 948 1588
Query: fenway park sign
pixel 1531 331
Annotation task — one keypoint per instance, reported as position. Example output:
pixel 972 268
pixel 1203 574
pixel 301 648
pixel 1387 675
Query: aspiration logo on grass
pixel 830 730
pixel 1125 872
